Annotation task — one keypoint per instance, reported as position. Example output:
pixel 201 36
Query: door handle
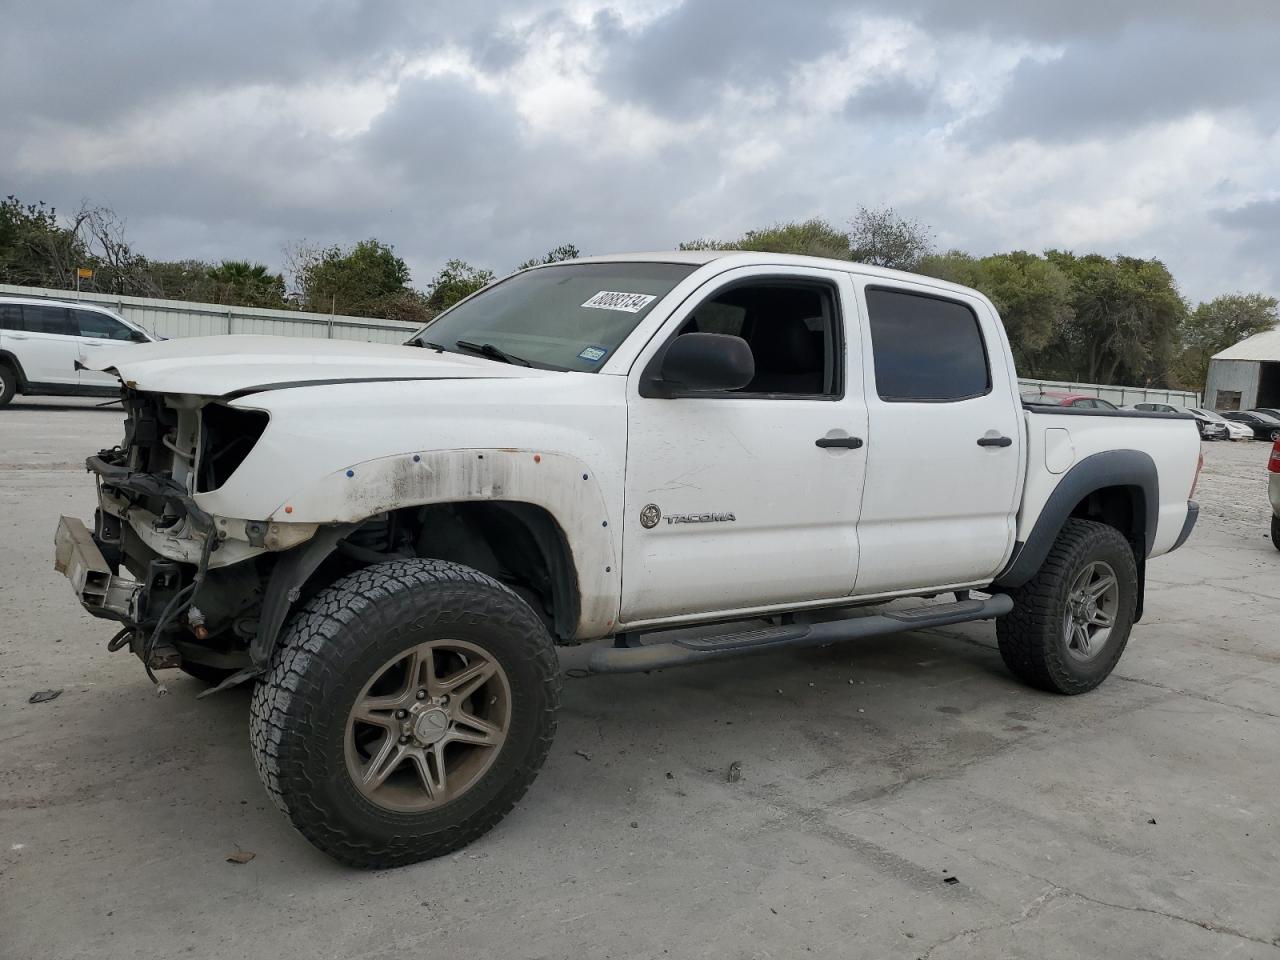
pixel 16 336
pixel 995 441
pixel 849 443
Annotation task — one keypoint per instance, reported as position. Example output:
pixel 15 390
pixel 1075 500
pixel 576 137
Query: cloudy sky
pixel 493 130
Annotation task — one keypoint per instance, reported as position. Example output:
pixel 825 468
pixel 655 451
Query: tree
pixel 1216 325
pixel 1033 296
pixel 878 236
pixel 246 284
pixel 814 237
pixel 456 280
pixel 366 280
pixel 566 251
pixel 35 250
pixel 1127 318
pixel 883 238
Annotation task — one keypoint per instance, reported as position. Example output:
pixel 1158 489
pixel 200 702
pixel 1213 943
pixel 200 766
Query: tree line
pixel 1084 317
pixel 39 248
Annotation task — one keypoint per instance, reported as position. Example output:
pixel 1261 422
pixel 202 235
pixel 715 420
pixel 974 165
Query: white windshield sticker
pixel 626 302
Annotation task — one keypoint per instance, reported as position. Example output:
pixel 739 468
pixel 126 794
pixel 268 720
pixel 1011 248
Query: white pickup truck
pixel 390 541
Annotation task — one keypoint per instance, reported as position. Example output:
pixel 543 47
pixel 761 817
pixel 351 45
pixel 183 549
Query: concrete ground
pixel 1140 820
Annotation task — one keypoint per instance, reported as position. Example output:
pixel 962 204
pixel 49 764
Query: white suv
pixel 41 342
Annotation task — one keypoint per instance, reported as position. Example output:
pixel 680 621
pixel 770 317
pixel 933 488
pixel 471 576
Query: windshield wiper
pixel 419 342
pixel 492 352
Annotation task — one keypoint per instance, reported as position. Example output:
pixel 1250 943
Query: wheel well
pixel 1122 507
pixel 1125 508
pixel 518 544
pixel 7 359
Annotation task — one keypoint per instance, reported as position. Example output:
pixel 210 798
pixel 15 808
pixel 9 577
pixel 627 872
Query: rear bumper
pixel 77 557
pixel 1193 514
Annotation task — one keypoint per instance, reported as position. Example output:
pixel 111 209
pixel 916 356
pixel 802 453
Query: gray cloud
pixel 890 98
pixel 682 60
pixel 459 162
pixel 1259 216
pixel 1141 74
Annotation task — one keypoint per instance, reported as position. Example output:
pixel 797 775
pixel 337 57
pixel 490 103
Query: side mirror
pixel 707 362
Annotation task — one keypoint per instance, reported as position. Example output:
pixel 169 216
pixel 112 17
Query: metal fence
pixel 181 318
pixel 1120 396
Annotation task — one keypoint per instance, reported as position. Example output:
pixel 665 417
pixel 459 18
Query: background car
pixel 1273 493
pixel 1050 399
pixel 1264 426
pixel 1269 411
pixel 1210 429
pixel 42 340
pixel 1235 431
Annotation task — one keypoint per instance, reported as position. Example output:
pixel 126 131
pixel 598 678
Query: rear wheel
pixel 1275 531
pixel 1070 623
pixel 8 383
pixel 407 709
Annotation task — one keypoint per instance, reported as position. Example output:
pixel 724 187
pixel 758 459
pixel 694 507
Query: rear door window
pixel 10 316
pixel 43 319
pixel 926 348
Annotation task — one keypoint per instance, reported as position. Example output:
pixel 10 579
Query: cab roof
pixel 747 258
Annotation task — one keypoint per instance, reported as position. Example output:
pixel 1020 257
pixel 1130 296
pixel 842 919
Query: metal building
pixel 1246 375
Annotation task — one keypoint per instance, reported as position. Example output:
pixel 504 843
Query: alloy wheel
pixel 427 725
pixel 1092 603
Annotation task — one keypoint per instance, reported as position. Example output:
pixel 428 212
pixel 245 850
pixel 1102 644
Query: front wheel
pixel 8 383
pixel 1071 621
pixel 407 708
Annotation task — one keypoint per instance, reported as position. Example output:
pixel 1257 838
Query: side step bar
pixel 679 653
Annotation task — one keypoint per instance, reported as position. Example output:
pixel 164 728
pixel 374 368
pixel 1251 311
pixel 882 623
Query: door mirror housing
pixel 706 362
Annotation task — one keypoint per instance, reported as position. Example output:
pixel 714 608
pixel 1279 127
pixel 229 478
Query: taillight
pixel 1196 478
pixel 1274 463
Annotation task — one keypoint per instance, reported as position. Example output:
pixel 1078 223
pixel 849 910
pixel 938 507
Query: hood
pixel 243 364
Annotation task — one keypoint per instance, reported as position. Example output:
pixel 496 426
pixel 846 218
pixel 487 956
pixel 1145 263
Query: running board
pixel 679 653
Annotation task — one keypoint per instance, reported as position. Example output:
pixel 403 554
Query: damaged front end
pixel 187 586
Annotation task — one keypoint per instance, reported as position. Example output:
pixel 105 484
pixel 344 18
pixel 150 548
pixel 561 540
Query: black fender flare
pixel 284 586
pixel 1132 469
pixel 11 361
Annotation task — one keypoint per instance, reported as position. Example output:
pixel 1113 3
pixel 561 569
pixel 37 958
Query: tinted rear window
pixel 10 316
pixel 926 348
pixel 41 319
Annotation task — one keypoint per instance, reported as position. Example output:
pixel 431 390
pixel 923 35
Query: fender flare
pixel 1111 468
pixel 291 571
pixel 11 361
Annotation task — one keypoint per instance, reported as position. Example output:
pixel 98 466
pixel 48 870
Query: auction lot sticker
pixel 626 302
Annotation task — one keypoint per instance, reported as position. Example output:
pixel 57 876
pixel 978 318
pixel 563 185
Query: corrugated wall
pixel 181 318
pixel 1230 377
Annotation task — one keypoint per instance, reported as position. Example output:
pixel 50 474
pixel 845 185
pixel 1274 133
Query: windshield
pixel 564 317
pixel 1209 415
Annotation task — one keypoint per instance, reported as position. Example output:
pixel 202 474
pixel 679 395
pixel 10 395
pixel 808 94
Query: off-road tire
pixel 334 644
pixel 1275 531
pixel 205 673
pixel 8 383
pixel 1032 640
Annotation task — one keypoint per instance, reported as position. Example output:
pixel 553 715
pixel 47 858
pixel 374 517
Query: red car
pixel 1068 400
